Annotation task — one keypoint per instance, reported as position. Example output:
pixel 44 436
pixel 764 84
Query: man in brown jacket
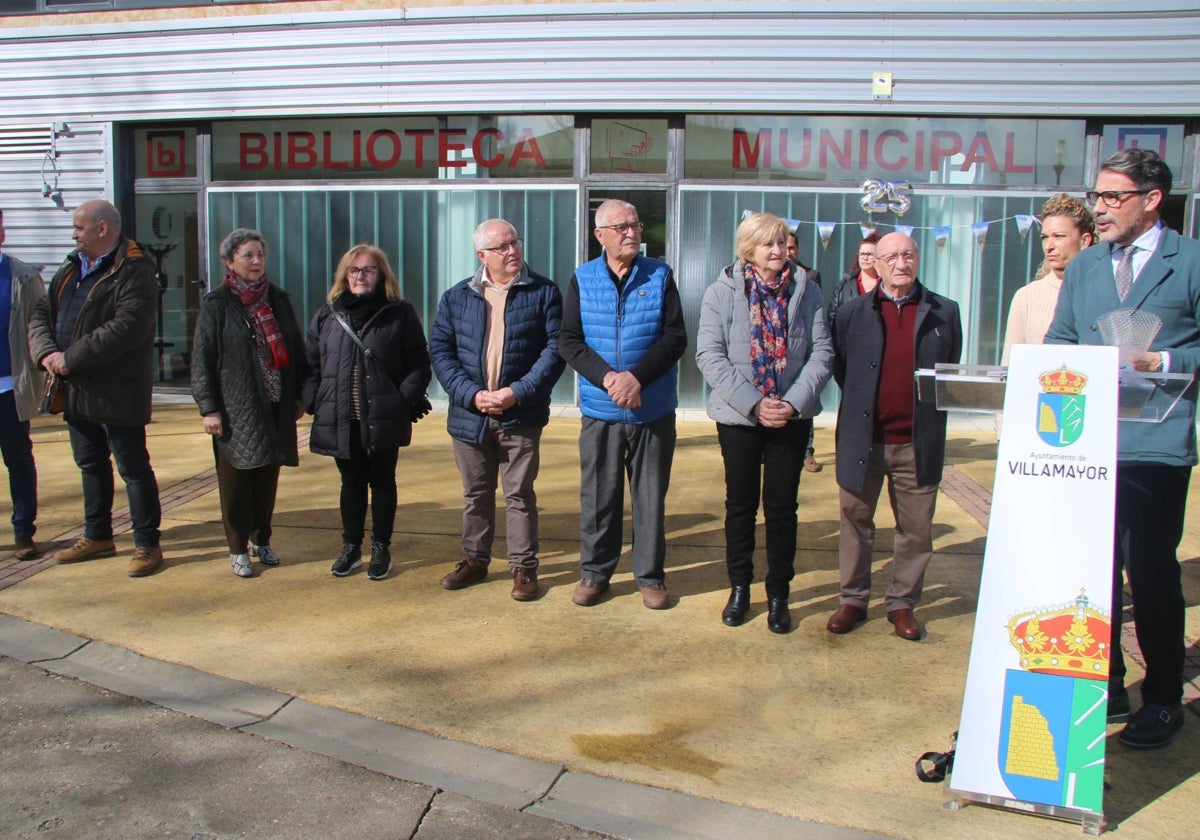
pixel 95 328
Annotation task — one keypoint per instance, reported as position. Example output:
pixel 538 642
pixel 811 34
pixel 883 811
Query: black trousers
pixel 771 460
pixel 1151 501
pixel 376 470
pixel 247 502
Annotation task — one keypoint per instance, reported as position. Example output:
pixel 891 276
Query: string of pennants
pixel 941 233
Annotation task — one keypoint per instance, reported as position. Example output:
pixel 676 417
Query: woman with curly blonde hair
pixel 1067 228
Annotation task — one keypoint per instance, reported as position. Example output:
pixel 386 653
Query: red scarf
pixel 254 297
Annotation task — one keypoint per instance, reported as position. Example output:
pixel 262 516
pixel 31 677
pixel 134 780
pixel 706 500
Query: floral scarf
pixel 768 327
pixel 254 297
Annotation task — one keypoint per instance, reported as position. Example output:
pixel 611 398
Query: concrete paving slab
pixel 488 775
pixel 673 700
pixel 30 642
pixel 626 810
pixel 82 763
pixel 453 817
pixel 217 699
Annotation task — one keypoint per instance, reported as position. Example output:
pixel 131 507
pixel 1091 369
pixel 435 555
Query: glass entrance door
pixel 652 207
pixel 166 225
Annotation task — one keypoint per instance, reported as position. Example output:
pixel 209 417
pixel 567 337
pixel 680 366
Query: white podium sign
pixel 1032 731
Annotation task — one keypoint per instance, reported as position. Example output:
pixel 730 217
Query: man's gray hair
pixel 481 236
pixel 1142 166
pixel 608 207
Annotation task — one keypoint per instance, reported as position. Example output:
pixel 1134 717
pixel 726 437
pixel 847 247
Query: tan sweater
pixel 1031 312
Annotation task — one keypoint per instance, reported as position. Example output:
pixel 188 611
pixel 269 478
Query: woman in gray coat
pixel 247 368
pixel 765 352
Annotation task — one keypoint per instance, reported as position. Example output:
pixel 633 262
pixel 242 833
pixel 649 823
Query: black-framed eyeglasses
pixel 624 227
pixel 505 247
pixel 1112 198
pixel 362 271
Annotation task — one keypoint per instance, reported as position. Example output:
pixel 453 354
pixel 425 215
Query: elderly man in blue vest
pixel 1143 265
pixel 623 332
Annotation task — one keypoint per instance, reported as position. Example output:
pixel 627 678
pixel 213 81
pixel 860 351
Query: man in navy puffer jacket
pixel 494 346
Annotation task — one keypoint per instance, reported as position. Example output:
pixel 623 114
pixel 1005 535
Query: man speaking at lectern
pixel 1141 264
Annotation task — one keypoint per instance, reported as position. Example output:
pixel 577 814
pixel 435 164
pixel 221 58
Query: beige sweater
pixel 1031 312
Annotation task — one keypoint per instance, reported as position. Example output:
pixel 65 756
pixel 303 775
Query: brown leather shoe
pixel 906 624
pixel 812 464
pixel 588 592
pixel 525 587
pixel 846 619
pixel 86 549
pixel 655 596
pixel 24 549
pixel 146 560
pixel 468 571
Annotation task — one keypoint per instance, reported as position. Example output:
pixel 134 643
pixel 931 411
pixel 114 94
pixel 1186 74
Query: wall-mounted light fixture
pixel 50 188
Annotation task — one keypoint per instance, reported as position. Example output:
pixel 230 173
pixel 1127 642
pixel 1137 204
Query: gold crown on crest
pixel 1071 640
pixel 1063 381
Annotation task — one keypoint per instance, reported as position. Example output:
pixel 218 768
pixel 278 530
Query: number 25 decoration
pixel 882 196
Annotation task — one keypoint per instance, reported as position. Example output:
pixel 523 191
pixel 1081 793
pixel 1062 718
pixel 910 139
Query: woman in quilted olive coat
pixel 247 368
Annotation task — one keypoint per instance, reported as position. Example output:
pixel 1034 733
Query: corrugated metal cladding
pixel 1053 58
pixel 77 169
pixel 954 58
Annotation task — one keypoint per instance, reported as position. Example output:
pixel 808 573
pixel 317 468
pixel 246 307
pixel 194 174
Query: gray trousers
pixel 513 455
pixel 912 506
pixel 608 454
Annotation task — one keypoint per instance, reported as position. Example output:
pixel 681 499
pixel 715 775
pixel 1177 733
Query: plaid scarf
pixel 254 297
pixel 768 327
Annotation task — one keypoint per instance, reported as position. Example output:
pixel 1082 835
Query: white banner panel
pixel 1033 717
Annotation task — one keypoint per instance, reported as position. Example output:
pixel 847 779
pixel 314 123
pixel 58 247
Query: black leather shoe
pixel 1152 726
pixel 779 620
pixel 737 605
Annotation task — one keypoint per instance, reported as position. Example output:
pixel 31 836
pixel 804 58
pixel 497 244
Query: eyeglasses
pixel 624 227
pixel 505 247
pixel 867 256
pixel 1112 198
pixel 892 259
pixel 363 271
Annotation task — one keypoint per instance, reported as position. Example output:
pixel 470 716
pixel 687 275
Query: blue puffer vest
pixel 623 340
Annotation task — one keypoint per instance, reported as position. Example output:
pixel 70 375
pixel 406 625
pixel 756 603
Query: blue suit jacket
pixel 1169 287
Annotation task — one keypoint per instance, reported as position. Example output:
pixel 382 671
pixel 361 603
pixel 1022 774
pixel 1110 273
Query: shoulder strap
pixel 353 335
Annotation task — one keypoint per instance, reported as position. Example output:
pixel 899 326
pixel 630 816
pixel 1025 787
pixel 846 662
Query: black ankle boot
pixel 737 605
pixel 779 620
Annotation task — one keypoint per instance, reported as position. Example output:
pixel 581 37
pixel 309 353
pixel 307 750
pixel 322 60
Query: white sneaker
pixel 241 565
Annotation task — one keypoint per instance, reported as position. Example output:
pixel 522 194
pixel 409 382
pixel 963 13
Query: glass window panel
pixel 981 278
pixel 426 233
pixel 1167 140
pixel 164 152
pixel 629 146
pixel 923 150
pixel 523 146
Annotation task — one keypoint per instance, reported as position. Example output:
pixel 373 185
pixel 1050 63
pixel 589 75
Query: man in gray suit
pixel 1141 264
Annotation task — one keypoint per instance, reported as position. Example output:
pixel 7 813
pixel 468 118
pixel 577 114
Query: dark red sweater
pixel 894 399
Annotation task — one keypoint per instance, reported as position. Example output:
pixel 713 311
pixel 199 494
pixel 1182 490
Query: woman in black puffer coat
pixel 368 370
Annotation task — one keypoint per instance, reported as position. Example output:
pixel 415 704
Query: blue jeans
pixel 17 448
pixel 93 444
